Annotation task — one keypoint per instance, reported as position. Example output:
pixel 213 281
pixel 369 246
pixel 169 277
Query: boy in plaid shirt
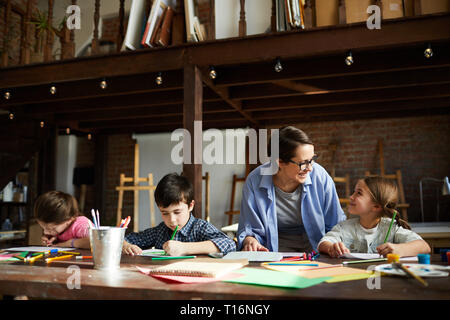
pixel 174 198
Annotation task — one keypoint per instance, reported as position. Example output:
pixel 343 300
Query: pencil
pixel 390 226
pixel 409 272
pixel 169 257
pixel 33 259
pixel 48 260
pixel 174 233
pixel 364 261
pixel 294 264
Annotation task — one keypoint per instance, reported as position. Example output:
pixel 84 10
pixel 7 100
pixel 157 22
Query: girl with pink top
pixel 63 225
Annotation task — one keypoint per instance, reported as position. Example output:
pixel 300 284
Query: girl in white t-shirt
pixel 374 201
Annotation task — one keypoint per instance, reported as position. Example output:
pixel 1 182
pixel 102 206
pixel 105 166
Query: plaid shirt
pixel 195 230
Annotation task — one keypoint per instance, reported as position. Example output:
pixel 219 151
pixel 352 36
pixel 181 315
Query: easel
pixel 136 188
pixel 232 212
pixel 402 205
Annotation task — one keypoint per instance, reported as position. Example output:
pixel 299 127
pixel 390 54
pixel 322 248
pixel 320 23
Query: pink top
pixel 78 229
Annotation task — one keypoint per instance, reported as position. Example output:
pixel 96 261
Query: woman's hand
pixel 131 249
pixel 251 244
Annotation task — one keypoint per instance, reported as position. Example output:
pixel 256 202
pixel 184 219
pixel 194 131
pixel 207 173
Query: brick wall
pixel 418 146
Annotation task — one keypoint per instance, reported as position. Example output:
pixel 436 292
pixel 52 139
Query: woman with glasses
pixel 292 209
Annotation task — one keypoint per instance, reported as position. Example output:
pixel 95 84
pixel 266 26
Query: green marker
pixel 174 233
pixel 170 258
pixel 390 226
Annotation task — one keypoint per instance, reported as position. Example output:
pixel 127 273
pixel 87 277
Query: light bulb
pixel 212 73
pixel 52 89
pixel 42 123
pixel 349 59
pixel 68 130
pixel 7 95
pixel 103 84
pixel 11 116
pixel 428 53
pixel 278 66
pixel 89 136
pixel 158 79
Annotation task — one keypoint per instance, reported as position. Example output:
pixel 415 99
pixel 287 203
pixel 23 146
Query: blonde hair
pixel 384 192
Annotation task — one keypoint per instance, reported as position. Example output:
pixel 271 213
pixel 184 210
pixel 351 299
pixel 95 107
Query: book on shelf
pixel 157 30
pixel 136 20
pixel 164 37
pixel 156 11
pixel 199 30
pixel 189 16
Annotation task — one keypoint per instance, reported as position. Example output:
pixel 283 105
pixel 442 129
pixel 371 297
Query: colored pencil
pixel 83 257
pixel 390 226
pixel 174 233
pixel 48 260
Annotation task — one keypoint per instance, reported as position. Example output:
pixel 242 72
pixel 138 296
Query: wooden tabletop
pixel 50 281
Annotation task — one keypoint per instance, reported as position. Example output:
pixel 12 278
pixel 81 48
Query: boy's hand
pixel 251 244
pixel 386 248
pixel 337 250
pixel 174 248
pixel 48 240
pixel 131 249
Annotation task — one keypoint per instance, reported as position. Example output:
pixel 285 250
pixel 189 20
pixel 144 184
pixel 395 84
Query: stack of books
pixel 154 29
pixel 290 14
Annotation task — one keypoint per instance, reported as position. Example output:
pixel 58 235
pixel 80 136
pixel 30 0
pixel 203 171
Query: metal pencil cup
pixel 106 245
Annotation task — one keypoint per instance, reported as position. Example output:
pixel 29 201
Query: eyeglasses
pixel 305 164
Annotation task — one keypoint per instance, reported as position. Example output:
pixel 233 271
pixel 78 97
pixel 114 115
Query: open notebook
pixel 211 269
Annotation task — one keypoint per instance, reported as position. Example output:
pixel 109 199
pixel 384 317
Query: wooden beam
pixel 192 112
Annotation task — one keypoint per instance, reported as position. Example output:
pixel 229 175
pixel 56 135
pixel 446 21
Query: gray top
pixel 359 239
pixel 291 233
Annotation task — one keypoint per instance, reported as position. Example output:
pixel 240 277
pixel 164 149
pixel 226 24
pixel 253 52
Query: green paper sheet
pixel 271 278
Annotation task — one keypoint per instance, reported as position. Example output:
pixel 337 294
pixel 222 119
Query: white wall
pixel 155 157
pixel 257 14
pixel 66 155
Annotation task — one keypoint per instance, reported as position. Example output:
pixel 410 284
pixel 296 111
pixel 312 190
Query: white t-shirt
pixel 359 239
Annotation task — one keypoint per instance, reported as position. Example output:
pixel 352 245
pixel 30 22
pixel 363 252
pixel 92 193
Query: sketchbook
pixel 255 255
pixel 197 269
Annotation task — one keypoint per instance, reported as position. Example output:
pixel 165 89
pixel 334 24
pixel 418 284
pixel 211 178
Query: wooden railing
pixel 66 37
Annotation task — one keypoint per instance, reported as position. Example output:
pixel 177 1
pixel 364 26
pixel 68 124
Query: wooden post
pixel 310 20
pixel 179 25
pixel 342 14
pixel 192 111
pixel 94 45
pixel 273 17
pixel 71 44
pixel 417 8
pixel 25 53
pixel 242 22
pixel 120 32
pixel 49 41
pixel 212 20
pixel 5 35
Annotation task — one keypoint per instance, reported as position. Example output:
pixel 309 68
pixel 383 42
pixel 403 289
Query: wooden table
pixel 50 282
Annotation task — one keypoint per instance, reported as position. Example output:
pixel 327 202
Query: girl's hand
pixel 251 244
pixel 386 248
pixel 337 250
pixel 174 248
pixel 48 240
pixel 131 249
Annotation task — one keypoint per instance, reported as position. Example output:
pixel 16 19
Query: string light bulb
pixel 103 84
pixel 89 136
pixel 158 79
pixel 212 73
pixel 53 90
pixel 67 130
pixel 428 53
pixel 278 66
pixel 42 124
pixel 349 59
pixel 7 95
pixel 11 116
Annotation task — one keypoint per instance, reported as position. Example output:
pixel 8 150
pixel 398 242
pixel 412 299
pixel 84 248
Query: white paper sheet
pixel 254 255
pixel 365 256
pixel 39 249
